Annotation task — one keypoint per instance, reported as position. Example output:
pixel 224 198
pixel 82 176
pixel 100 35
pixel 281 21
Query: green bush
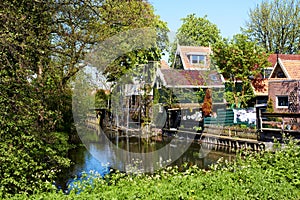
pixel 265 175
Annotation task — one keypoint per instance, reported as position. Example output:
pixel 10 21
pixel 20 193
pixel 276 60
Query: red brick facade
pixel 279 90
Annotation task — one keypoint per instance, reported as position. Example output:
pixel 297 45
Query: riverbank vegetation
pixel 264 175
pixel 43 47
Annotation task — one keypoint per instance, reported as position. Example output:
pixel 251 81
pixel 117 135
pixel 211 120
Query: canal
pixel 97 155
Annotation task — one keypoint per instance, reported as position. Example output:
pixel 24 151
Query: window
pixel 267 72
pixel 197 59
pixel 282 101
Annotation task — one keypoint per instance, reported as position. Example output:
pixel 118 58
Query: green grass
pixel 265 175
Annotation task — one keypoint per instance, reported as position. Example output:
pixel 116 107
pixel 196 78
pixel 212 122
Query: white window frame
pixel 277 102
pixel 190 55
pixel 265 70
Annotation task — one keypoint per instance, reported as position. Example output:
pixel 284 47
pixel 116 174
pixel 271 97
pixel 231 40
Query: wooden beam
pixel 291 115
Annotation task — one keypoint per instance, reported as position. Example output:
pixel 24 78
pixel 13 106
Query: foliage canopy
pixel 43 44
pixel 195 31
pixel 275 26
pixel 239 60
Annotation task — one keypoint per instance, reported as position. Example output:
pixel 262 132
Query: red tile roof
pixel 191 78
pixel 292 67
pixel 273 58
pixel 291 64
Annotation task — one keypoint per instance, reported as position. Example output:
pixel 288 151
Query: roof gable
pixel 186 53
pixel 279 71
pixel 289 69
pixel 273 58
pixel 285 67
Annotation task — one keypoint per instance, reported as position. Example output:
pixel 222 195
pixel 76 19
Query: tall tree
pixel 31 151
pixel 239 59
pixel 42 46
pixel 275 25
pixel 195 31
pixel 73 33
pixel 80 26
pixel 125 16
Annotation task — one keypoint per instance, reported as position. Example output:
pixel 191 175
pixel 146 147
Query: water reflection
pixel 97 154
pixel 133 152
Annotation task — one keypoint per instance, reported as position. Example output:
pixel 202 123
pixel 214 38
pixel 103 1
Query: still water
pixel 98 155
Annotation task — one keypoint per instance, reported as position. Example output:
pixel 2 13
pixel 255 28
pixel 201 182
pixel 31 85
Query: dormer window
pixel 197 59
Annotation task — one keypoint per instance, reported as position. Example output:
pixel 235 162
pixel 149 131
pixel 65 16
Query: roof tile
pixel 292 67
pixel 273 58
pixel 191 77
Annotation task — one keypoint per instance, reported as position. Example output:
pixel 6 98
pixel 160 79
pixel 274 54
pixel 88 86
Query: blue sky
pixel 228 15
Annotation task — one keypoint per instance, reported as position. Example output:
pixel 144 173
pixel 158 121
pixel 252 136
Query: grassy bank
pixel 264 175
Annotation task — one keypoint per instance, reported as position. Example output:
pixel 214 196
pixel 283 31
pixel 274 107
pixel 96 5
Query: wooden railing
pixel 284 123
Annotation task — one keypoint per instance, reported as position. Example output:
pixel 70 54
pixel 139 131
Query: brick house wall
pixel 285 95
